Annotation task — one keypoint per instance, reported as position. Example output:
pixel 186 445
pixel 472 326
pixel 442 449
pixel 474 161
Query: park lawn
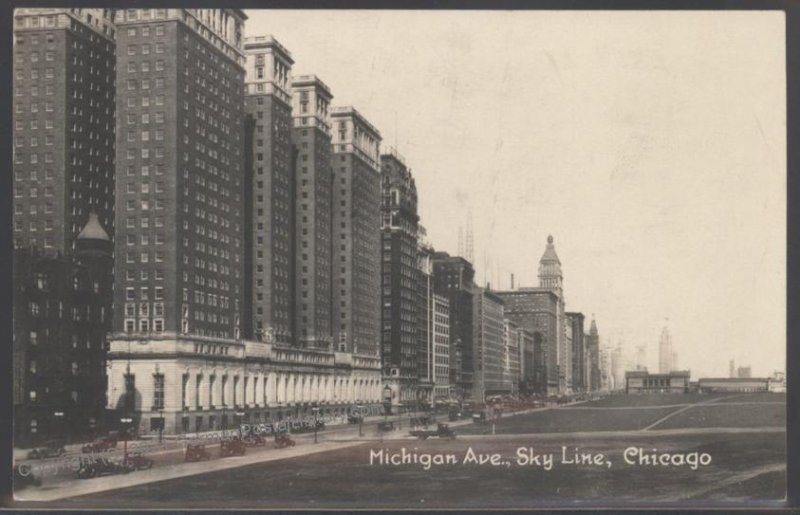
pixel 728 415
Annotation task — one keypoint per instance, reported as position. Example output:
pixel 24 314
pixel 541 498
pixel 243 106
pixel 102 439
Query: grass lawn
pixel 729 415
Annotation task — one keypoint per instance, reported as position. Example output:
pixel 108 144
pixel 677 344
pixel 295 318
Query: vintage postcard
pixel 391 259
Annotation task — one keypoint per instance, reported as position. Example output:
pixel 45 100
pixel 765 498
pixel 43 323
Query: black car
pixel 253 440
pixel 355 419
pixel 50 450
pixel 232 447
pixel 94 467
pixel 196 452
pixel 386 426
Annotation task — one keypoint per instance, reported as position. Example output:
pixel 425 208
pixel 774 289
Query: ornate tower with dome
pixel 552 278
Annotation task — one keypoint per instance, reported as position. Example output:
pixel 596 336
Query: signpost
pixel 125 421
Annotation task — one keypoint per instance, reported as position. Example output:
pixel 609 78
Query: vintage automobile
pixel 138 461
pixel 49 450
pixel 283 440
pixel 252 440
pixel 442 431
pixel 232 447
pixel 386 426
pixel 196 452
pixel 355 418
pixel 94 467
pixel 100 445
pixel 24 477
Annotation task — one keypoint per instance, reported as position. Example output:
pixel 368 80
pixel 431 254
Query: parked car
pixel 101 445
pixel 232 447
pixel 355 419
pixel 138 461
pixel 196 452
pixel 49 450
pixel 283 440
pixel 253 440
pixel 442 431
pixel 94 467
pixel 24 477
pixel 386 426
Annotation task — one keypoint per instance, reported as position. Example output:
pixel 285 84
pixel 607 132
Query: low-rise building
pixel 733 384
pixel 641 381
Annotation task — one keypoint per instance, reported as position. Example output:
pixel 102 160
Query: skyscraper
pixel 454 278
pixel 64 112
pixel 665 352
pixel 356 232
pixel 551 278
pixel 180 152
pixel 401 303
pixel 270 193
pixel 488 345
pixel 313 203
pixel 593 350
pixel 579 372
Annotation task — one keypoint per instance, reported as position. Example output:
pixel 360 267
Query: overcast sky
pixel 652 146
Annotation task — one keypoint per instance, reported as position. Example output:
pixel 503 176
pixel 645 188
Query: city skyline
pixel 641 181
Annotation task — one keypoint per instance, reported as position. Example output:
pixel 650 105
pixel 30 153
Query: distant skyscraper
pixel 313 209
pixel 269 194
pixel 488 345
pixel 579 371
pixel 641 357
pixel 731 369
pixel 356 232
pixel 593 351
pixel 64 124
pixel 551 278
pixel 454 278
pixel 743 372
pixel 665 353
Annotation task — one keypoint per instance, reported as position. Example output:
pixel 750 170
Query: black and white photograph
pixel 398 259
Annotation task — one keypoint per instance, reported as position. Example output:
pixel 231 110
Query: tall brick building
pixel 575 321
pixel 401 302
pixel 64 83
pixel 454 279
pixel 356 236
pixel 269 193
pixel 313 203
pixel 488 345
pixel 180 151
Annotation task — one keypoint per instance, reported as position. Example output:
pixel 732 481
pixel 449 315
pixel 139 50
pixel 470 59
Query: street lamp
pixel 315 410
pixel 125 420
pixel 239 416
pixel 160 424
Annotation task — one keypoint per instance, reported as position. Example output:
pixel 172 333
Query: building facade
pixel 454 278
pixel 593 356
pixel 512 343
pixel 551 278
pixel 405 304
pixel 180 155
pixel 527 362
pixel 643 382
pixel 536 311
pixel 356 233
pixel 64 124
pixel 575 323
pixel 62 313
pixel 313 212
pixel 269 197
pixel 488 345
pixel 440 338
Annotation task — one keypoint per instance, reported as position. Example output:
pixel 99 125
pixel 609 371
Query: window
pixel 158 391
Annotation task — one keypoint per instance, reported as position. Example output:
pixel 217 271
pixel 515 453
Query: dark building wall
pixel 63 122
pixel 313 212
pixel 180 144
pixel 537 311
pixel 454 279
pixel 578 351
pixel 62 313
pixel 401 288
pixel 271 226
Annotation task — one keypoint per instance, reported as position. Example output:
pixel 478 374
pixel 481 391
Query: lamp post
pixel 360 420
pixel 160 424
pixel 125 421
pixel 239 417
pixel 315 410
